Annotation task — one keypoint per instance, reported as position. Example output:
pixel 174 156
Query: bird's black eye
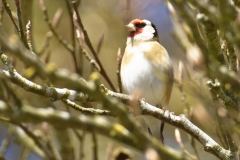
pixel 140 25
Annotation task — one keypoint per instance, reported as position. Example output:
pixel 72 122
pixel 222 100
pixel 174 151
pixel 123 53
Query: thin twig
pixel 94 146
pixel 64 144
pixel 29 36
pixel 45 44
pixel 99 46
pixel 68 46
pixel 192 140
pixel 89 44
pixel 53 149
pixel 70 12
pixel 89 111
pixel 35 139
pixel 25 153
pixel 78 60
pixel 119 61
pixel 17 99
pixel 1 12
pixel 179 141
pixel 80 40
pixel 217 128
pixel 9 12
pixel 81 141
pixel 5 144
pixel 21 29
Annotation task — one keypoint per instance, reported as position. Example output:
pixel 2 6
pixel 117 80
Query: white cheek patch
pixel 147 34
pixel 148 29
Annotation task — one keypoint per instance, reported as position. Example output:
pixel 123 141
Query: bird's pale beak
pixel 130 27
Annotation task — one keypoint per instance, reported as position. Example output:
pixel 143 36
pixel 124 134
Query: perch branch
pixel 181 122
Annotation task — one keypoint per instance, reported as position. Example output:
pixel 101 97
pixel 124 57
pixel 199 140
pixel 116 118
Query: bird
pixel 146 67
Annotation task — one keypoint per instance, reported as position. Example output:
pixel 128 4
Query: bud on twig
pixel 178 138
pixel 57 17
pixel 171 9
pixel 180 71
pixel 195 57
pixel 100 43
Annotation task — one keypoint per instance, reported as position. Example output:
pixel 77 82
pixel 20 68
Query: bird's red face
pixel 135 27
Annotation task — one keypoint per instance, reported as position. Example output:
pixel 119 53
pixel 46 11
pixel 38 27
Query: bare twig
pixel 46 42
pixel 70 13
pixel 100 42
pixel 9 12
pixel 64 144
pixel 68 46
pixel 29 36
pixel 25 153
pixel 35 139
pixel 94 146
pixel 20 25
pixel 5 144
pixel 80 39
pixel 179 141
pixel 119 61
pixel 81 141
pixel 89 44
pixel 89 111
pixel 53 149
pixel 1 12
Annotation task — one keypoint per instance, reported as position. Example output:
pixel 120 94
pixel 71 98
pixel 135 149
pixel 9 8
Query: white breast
pixel 138 76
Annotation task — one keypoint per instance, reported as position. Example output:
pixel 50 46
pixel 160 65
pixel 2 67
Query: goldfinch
pixel 146 67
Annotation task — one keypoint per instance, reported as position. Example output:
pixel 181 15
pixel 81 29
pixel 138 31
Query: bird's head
pixel 142 30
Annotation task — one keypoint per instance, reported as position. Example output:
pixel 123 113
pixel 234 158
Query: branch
pixel 54 93
pixel 180 122
pixel 92 124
